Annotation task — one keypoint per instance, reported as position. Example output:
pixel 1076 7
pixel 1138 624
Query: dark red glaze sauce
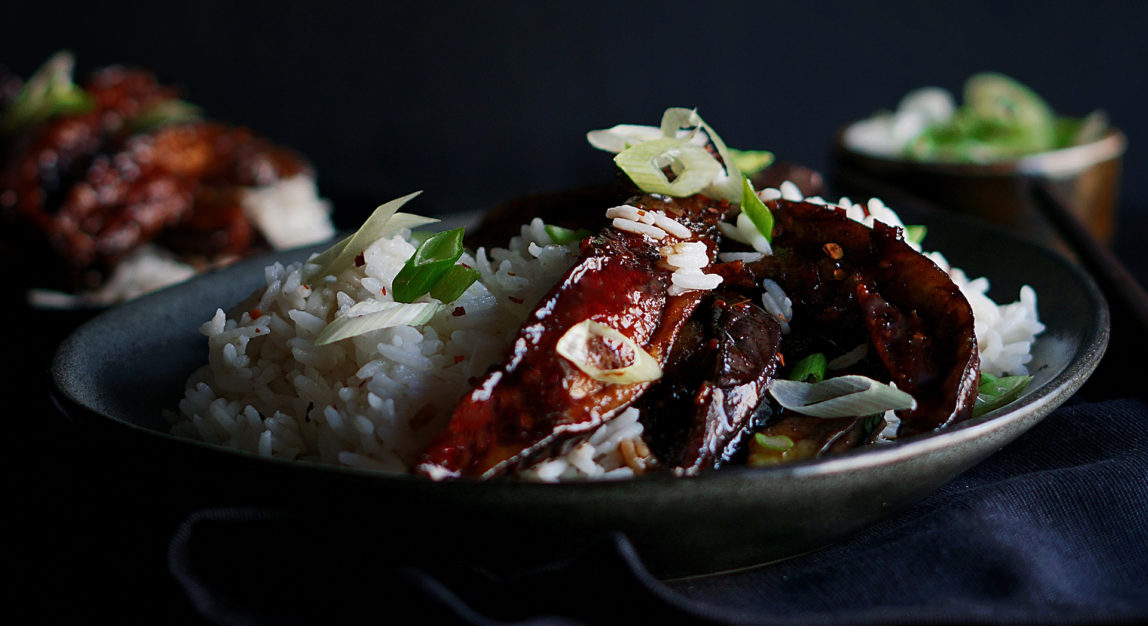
pixel 537 398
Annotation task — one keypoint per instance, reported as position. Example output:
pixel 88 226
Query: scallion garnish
pixel 372 315
pixel 810 369
pixel 454 281
pixel 563 236
pixel 751 161
pixel 842 396
pixel 997 391
pixel 915 233
pixel 677 118
pixel 383 222
pixel 429 262
pixel 49 92
pixel 758 213
pixel 692 167
pixel 589 345
pixel 774 443
pixel 166 112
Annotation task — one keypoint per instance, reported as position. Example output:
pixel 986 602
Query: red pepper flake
pixel 458 311
pixel 514 299
pixel 360 260
pixel 255 314
pixel 465 265
pixel 781 359
pixel 511 274
pixel 459 358
pixel 384 291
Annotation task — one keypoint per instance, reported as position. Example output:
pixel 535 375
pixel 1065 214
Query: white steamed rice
pixel 373 401
pixel 376 400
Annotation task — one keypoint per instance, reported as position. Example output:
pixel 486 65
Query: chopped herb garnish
pixel 426 266
pixel 751 161
pixel 454 281
pixel 915 233
pixel 777 443
pixel 753 207
pixel 996 392
pixel 843 396
pixel 166 112
pixel 563 236
pixel 811 369
pixel 48 93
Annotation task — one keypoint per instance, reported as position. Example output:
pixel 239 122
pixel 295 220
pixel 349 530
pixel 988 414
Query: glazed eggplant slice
pixel 537 399
pixel 852 282
pixel 716 382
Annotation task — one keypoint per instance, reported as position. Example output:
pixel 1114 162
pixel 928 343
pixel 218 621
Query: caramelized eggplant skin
pixel 536 398
pixel 852 282
pixel 83 191
pixel 695 425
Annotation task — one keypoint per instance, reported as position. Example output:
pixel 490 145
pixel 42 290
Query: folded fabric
pixel 1052 529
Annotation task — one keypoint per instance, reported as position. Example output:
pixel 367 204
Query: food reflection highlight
pixel 698 322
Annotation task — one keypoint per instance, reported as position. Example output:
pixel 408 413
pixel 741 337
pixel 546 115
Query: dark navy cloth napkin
pixel 1052 529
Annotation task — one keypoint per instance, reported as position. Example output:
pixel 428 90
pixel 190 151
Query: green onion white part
pixel 843 396
pixel 368 316
pixel 587 340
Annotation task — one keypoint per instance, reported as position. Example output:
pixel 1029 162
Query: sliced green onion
pixel 166 112
pixel 675 118
pixel 49 92
pixel 775 443
pixel 996 97
pixel 809 369
pixel 429 262
pixel 694 168
pixel 617 138
pixel 758 213
pixel 843 396
pixel 583 343
pixel 563 236
pixel 454 281
pixel 996 392
pixel 751 161
pixel 383 222
pixel 368 316
pixel 915 233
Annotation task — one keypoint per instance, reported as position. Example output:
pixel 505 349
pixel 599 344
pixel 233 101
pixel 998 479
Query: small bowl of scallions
pixel 983 156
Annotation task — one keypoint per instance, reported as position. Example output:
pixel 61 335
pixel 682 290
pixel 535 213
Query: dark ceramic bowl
pixel 118 372
pixel 1087 177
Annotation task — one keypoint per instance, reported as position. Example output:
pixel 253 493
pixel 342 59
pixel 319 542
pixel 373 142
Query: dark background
pixel 478 102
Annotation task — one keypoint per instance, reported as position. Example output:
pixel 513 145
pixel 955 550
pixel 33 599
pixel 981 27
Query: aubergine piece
pixel 41 163
pixel 855 283
pixel 537 399
pixel 716 382
pixel 183 181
